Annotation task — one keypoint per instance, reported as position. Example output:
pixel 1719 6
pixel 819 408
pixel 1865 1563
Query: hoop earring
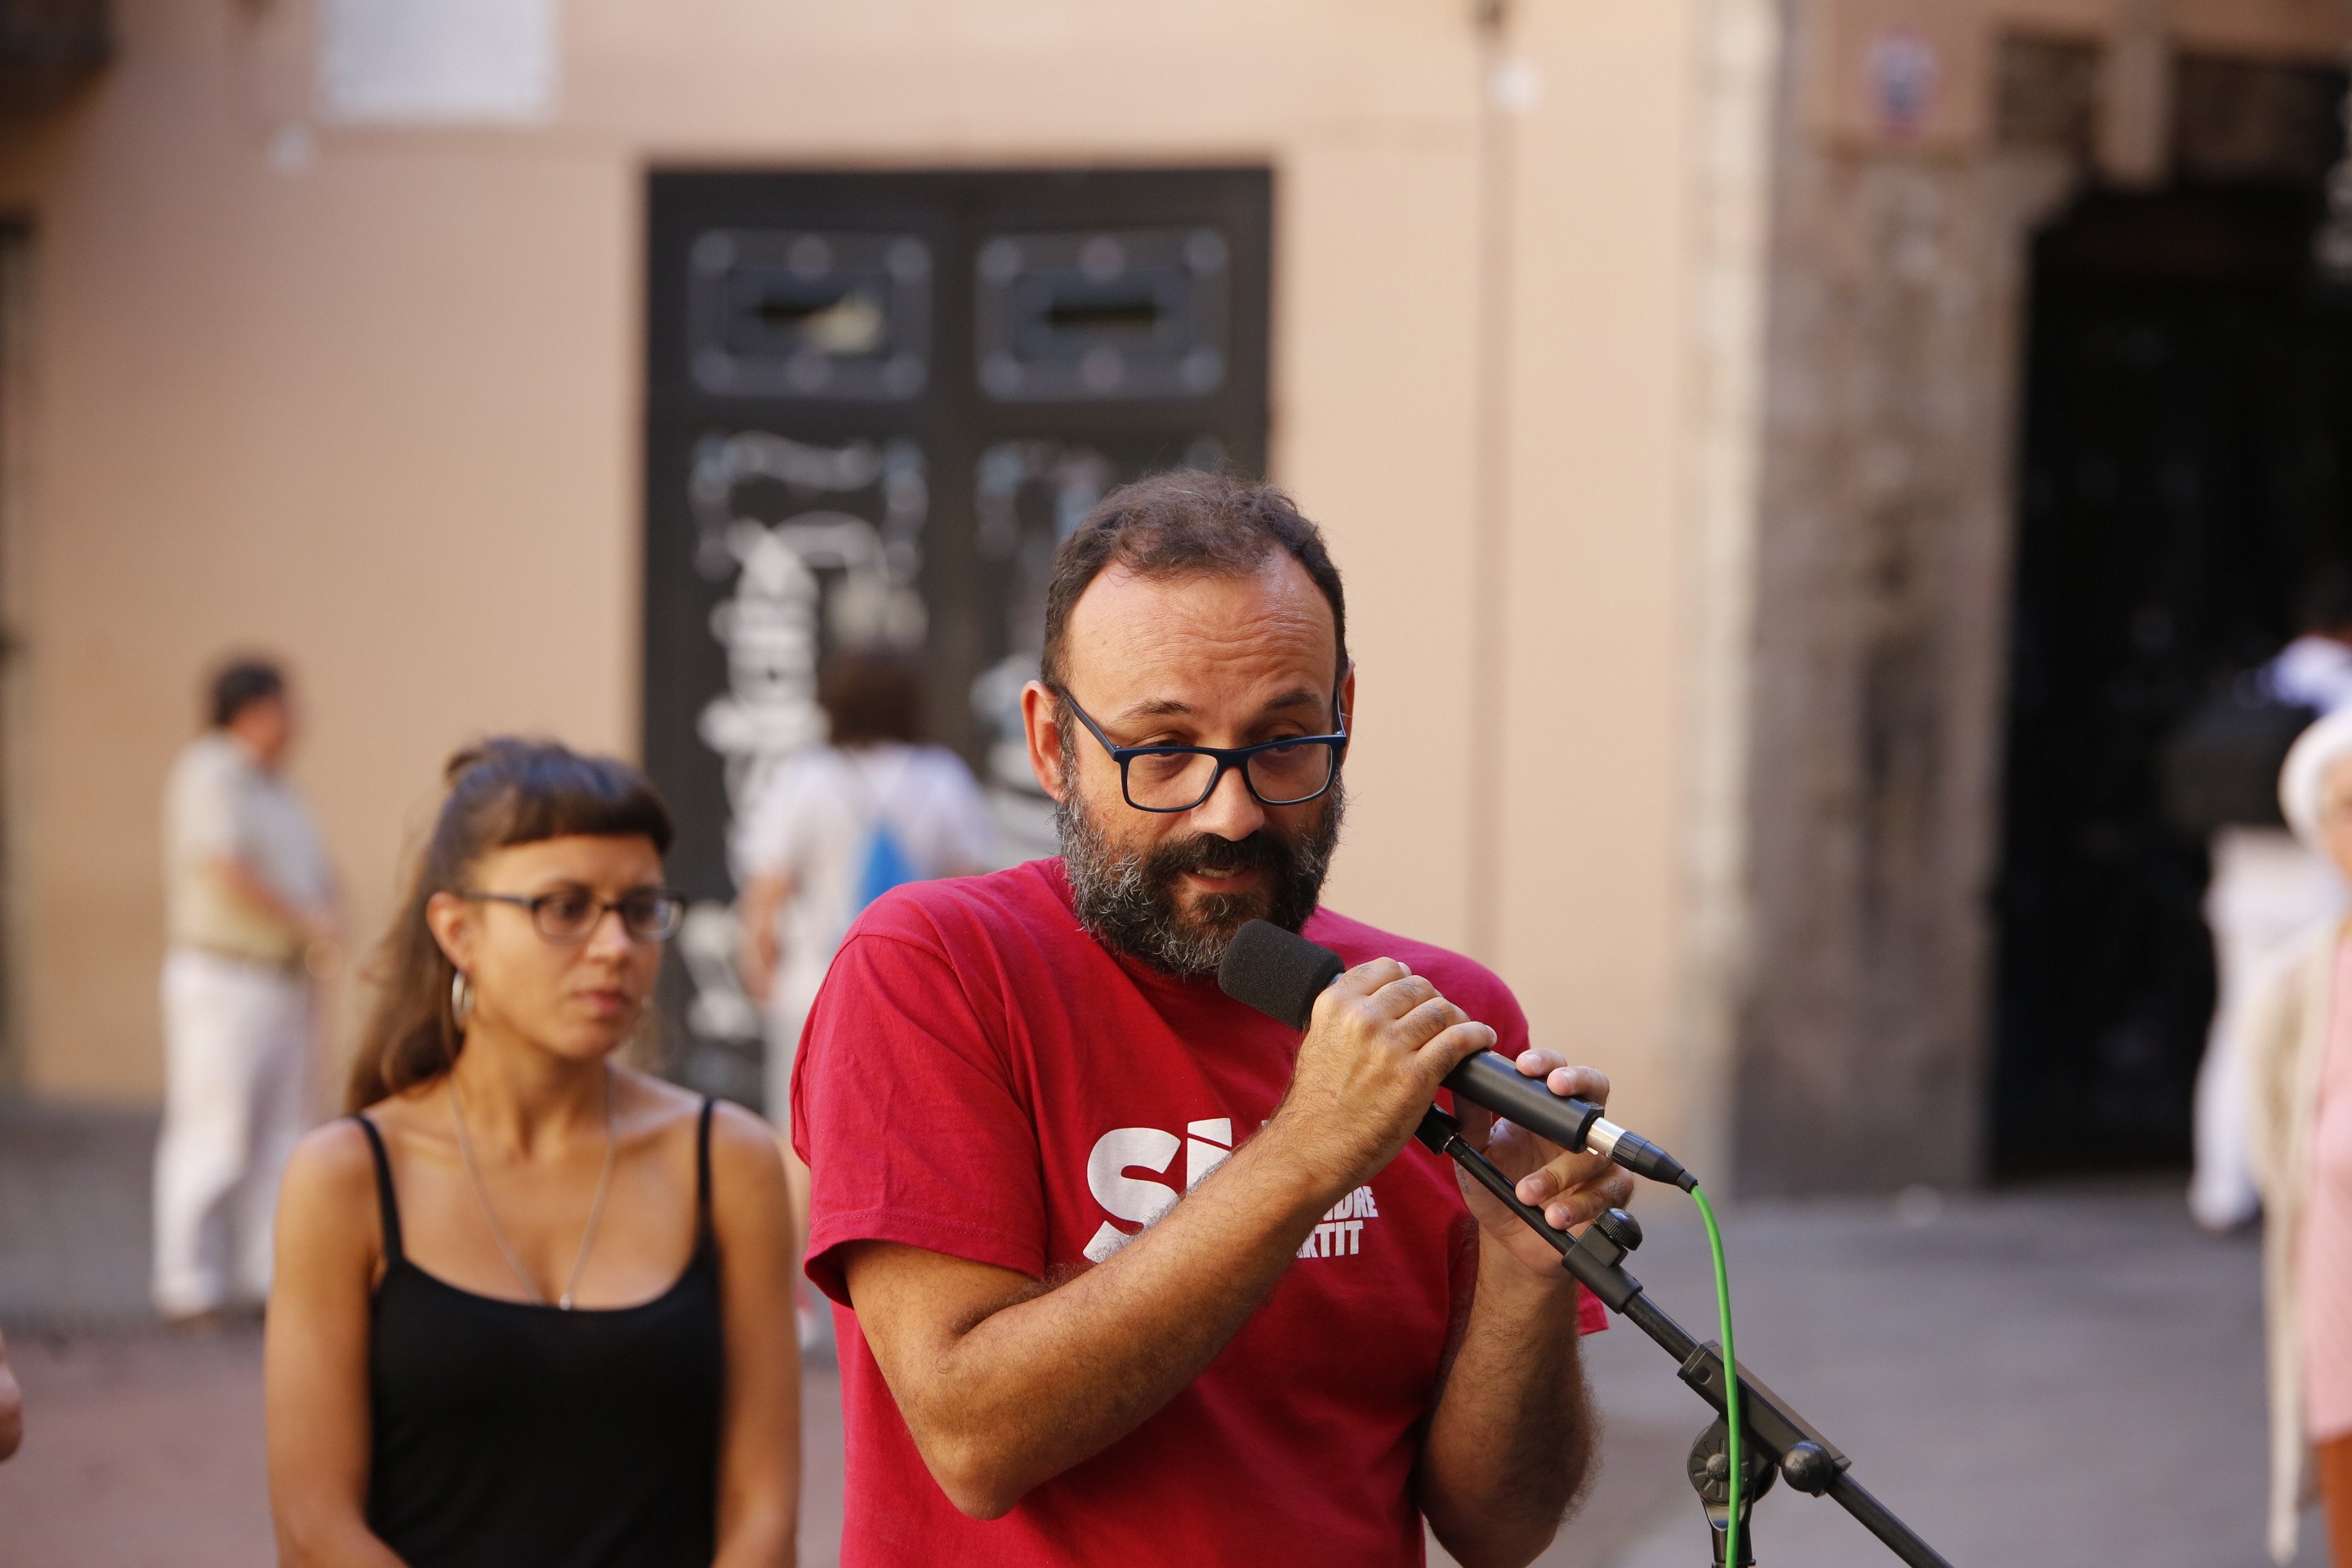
pixel 461 999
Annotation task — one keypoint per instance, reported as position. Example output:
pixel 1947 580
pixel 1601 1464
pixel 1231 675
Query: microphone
pixel 1280 974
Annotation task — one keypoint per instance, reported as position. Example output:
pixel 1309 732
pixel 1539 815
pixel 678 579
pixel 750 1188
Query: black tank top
pixel 512 1434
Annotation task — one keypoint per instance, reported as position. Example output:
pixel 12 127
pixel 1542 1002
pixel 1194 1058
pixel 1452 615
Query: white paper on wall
pixel 437 61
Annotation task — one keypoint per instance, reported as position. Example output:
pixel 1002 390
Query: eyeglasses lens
pixel 1171 781
pixel 1287 775
pixel 1178 781
pixel 565 917
pixel 571 917
pixel 651 917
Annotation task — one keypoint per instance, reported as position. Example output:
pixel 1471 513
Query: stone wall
pixel 1894 332
pixel 1892 336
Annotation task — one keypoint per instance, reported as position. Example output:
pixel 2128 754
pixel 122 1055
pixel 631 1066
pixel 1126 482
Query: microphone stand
pixel 1777 1438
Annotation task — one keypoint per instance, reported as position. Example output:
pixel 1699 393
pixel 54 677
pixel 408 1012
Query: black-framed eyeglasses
pixel 1291 771
pixel 572 914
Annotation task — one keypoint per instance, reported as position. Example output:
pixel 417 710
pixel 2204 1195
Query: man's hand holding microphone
pixel 1376 1050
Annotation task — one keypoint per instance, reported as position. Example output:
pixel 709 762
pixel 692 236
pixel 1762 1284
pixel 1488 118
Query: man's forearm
pixel 1512 1437
pixel 1044 1384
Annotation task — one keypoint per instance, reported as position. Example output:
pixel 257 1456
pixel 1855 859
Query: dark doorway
pixel 2188 422
pixel 875 403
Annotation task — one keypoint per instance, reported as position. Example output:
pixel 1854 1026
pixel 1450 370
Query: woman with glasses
pixel 531 1305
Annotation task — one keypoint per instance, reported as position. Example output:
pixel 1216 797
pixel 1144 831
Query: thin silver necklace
pixel 595 1210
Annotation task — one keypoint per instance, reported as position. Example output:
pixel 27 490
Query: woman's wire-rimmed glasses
pixel 1291 771
pixel 572 914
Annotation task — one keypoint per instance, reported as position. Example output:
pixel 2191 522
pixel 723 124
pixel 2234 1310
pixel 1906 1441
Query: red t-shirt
pixel 979 1078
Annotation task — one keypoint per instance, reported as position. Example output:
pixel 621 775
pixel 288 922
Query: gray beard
pixel 1126 899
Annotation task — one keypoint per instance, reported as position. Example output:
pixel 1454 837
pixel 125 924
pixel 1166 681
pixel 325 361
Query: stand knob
pixel 1809 1468
pixel 1620 1228
pixel 1708 1467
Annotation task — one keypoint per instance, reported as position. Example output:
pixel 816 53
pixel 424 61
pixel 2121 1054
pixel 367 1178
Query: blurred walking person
pixel 250 910
pixel 2267 891
pixel 532 1306
pixel 837 827
pixel 2298 1068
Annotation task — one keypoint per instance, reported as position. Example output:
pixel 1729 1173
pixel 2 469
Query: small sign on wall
pixel 1900 73
pixel 437 61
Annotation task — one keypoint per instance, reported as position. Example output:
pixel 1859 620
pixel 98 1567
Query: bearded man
pixel 1126 1272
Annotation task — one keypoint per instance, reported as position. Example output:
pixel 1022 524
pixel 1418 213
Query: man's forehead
pixel 1270 622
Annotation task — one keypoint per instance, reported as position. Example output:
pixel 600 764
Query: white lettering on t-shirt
pixel 1210 1146
pixel 1341 1232
pixel 1125 1197
pixel 1208 1143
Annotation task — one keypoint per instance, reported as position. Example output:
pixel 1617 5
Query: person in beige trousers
pixel 2297 1048
pixel 251 912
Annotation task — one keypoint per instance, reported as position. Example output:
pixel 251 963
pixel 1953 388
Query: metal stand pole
pixel 1776 1437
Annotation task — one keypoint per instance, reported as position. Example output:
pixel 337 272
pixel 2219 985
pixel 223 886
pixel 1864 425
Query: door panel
pixel 874 404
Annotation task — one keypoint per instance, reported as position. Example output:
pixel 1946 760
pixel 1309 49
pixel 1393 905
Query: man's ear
pixel 1041 726
pixel 1348 706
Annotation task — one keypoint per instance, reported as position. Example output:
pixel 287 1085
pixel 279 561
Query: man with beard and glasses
pixel 1125 1271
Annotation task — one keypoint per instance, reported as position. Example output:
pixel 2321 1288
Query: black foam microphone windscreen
pixel 1277 972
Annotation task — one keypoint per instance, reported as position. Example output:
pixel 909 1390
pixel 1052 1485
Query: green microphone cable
pixel 1731 1374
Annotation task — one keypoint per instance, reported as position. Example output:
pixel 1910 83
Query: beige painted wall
pixel 380 413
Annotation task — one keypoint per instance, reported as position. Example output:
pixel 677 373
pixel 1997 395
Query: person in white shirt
pixel 250 910
pixel 836 826
pixel 2267 889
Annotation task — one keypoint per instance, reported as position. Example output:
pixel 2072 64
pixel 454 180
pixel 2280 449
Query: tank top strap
pixel 702 1171
pixel 385 1202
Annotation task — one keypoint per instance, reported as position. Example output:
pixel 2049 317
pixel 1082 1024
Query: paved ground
pixel 2054 1378
pixel 2057 1378
pixel 73 1214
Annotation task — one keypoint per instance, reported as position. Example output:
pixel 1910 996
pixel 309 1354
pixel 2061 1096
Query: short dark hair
pixel 1185 523
pixel 242 683
pixel 871 694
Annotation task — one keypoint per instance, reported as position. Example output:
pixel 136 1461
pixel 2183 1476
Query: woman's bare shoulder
pixel 740 1141
pixel 745 1159
pixel 329 1178
pixel 651 1105
pixel 334 1152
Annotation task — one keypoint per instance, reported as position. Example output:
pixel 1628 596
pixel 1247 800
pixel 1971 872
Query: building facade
pixel 1656 369
pixel 333 347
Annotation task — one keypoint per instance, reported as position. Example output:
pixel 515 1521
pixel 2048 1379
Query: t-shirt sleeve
pixel 206 809
pixel 903 1109
pixel 758 848
pixel 774 834
pixel 944 815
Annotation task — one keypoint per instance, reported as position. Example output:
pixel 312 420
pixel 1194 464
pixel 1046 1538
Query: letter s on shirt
pixel 1123 1197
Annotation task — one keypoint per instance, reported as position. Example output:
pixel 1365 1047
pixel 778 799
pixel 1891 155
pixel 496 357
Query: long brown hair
pixel 504 791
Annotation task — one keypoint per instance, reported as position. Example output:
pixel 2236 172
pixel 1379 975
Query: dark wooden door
pixel 2187 427
pixel 875 403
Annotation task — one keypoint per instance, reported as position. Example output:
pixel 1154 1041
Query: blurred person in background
pixel 12 1407
pixel 2267 891
pixel 533 1307
pixel 837 827
pixel 250 916
pixel 2297 1044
